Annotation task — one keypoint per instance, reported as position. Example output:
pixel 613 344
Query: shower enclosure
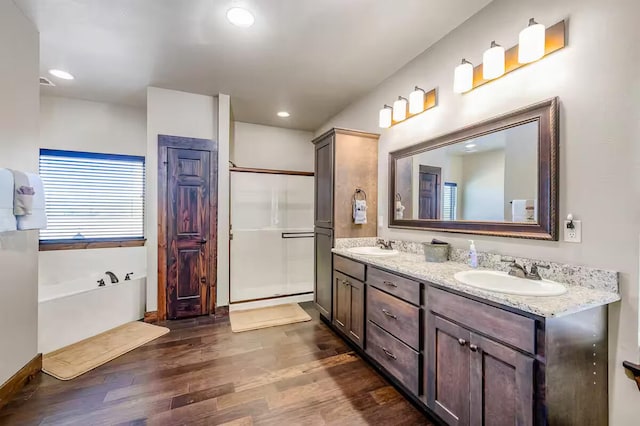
pixel 272 234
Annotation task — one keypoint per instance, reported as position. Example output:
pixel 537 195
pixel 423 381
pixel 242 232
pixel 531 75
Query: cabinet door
pixel 324 183
pixel 447 375
pixel 502 385
pixel 323 269
pixel 356 311
pixel 341 301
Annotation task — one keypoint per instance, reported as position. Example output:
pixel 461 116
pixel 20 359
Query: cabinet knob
pixel 388 353
pixel 462 342
pixel 473 348
pixel 390 284
pixel 389 314
pixel 345 282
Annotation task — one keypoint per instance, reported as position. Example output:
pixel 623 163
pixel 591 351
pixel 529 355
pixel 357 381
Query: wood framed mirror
pixel 498 177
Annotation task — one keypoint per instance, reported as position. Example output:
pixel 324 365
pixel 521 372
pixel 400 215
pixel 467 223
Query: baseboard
pixel 151 317
pixel 18 380
pixel 221 311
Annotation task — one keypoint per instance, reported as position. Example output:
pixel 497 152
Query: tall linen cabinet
pixel 345 161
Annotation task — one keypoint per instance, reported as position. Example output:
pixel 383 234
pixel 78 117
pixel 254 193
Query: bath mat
pixel 74 360
pixel 272 316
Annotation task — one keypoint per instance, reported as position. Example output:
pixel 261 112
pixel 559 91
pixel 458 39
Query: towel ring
pixel 359 192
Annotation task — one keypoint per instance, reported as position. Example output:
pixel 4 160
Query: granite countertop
pixel 577 298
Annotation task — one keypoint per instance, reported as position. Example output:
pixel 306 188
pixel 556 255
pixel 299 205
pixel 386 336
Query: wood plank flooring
pixel 203 374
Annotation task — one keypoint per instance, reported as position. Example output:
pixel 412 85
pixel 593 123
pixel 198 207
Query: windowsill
pixel 90 244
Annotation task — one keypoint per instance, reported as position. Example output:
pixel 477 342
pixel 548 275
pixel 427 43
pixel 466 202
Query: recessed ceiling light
pixel 240 17
pixel 284 114
pixel 470 145
pixel 61 74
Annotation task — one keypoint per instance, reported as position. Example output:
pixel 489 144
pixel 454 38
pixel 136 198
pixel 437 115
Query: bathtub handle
pixel 101 283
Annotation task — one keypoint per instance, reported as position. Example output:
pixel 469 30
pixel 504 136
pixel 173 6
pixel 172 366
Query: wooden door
pixel 447 375
pixel 187 226
pixel 429 192
pixel 324 183
pixel 341 302
pixel 323 289
pixel 502 385
pixel 356 311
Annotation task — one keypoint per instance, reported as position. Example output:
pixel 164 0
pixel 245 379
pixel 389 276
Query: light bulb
pixel 384 120
pixel 416 101
pixel 463 77
pixel 531 42
pixel 400 109
pixel 493 62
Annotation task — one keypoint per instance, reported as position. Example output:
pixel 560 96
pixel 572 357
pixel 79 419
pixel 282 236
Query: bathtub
pixel 72 311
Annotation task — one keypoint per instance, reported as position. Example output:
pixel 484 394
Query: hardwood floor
pixel 203 374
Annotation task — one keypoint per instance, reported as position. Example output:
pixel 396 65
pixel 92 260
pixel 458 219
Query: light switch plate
pixel 573 235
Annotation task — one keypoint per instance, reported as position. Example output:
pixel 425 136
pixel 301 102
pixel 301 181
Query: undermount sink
pixel 372 251
pixel 501 282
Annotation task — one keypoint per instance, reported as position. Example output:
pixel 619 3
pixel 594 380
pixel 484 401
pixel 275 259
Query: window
pixel 92 198
pixel 450 201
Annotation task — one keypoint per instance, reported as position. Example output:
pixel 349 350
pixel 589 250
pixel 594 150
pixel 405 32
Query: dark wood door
pixel 429 193
pixel 324 183
pixel 341 302
pixel 447 376
pixel 188 228
pixel 355 328
pixel 323 289
pixel 502 385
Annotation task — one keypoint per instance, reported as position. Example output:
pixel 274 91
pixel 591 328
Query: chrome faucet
pixel 384 245
pixel 517 270
pixel 113 277
pixel 534 274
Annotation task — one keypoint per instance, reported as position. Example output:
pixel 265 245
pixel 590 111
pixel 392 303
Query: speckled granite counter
pixel 577 297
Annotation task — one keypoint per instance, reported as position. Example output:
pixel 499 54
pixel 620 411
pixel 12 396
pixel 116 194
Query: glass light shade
pixel 384 120
pixel 416 101
pixel 463 77
pixel 400 109
pixel 493 62
pixel 531 43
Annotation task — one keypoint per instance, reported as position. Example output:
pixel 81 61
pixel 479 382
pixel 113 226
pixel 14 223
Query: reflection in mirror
pixel 490 178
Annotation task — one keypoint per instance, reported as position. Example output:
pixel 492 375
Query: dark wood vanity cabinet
pixel 324 182
pixel 348 301
pixel 323 294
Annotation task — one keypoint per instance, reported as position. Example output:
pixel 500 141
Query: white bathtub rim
pixel 74 292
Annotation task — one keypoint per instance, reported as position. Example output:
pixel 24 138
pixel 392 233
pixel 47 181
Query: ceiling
pixel 309 57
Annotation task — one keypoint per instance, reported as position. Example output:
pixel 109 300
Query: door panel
pixel 324 184
pixel 341 301
pixel 429 192
pixel 188 228
pixel 447 376
pixel 323 270
pixel 356 311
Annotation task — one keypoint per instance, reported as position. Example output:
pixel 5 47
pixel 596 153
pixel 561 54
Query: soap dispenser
pixel 473 255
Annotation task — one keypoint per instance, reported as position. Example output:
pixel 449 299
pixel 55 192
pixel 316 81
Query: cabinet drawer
pixel 403 288
pixel 501 325
pixel 399 318
pixel 349 267
pixel 398 359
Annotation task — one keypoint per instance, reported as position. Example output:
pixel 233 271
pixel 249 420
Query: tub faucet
pixel 113 277
pixel 128 276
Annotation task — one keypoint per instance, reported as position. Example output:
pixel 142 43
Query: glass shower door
pixel 272 227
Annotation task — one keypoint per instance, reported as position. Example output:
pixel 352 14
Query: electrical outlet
pixel 573 235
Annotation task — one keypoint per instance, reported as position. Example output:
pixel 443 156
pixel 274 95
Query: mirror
pixel 498 177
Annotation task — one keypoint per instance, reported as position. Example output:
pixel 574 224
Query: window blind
pixel 92 196
pixel 450 201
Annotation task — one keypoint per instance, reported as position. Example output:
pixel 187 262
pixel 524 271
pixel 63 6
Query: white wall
pixel 598 85
pixel 79 125
pixel 267 147
pixel 483 181
pixel 176 113
pixel 19 104
pixel 520 165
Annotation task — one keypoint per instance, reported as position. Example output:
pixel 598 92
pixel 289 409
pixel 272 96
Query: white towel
pixel 524 211
pixel 360 212
pixel 38 217
pixel 7 219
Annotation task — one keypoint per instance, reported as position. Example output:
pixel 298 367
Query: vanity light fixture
pixel 463 77
pixel 493 62
pixel 400 109
pixel 416 100
pixel 385 117
pixel 531 42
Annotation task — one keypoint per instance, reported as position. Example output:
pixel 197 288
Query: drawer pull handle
pixel 473 348
pixel 388 353
pixel 390 284
pixel 389 314
pixel 345 282
pixel 462 342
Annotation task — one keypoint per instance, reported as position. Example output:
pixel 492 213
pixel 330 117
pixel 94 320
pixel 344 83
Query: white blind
pixel 92 196
pixel 450 201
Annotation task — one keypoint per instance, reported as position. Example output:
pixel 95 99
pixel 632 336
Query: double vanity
pixel 471 355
